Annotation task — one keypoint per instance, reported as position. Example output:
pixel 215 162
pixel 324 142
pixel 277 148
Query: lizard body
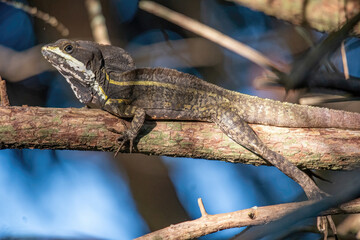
pixel 164 94
pixel 106 77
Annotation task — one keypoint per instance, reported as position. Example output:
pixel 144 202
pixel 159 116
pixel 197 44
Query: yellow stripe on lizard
pixel 158 84
pixel 112 100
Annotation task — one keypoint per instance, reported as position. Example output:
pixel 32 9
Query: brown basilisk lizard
pixel 106 77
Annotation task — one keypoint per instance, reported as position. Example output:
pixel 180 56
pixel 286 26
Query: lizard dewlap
pixel 106 76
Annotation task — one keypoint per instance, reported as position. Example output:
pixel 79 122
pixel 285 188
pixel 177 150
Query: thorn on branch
pixel 253 213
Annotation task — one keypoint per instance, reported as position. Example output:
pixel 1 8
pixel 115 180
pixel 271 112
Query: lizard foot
pixel 313 192
pixel 323 222
pixel 123 138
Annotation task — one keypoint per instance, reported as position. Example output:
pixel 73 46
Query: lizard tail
pixel 275 113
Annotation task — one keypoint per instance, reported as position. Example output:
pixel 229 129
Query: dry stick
pixel 97 22
pixel 213 35
pixel 248 217
pixel 344 60
pixel 4 100
pixel 33 11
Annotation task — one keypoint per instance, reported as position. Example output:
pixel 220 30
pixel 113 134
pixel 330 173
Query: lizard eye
pixel 68 48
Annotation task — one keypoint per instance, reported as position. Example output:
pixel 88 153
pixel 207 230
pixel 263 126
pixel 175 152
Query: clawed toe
pixel 122 139
pixel 119 148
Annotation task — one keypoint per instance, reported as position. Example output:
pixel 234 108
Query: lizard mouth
pixel 44 52
pixel 48 55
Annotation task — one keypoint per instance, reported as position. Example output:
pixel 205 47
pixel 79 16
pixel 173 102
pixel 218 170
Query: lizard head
pixel 83 63
pixel 78 62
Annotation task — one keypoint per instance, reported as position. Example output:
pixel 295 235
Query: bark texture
pixel 90 129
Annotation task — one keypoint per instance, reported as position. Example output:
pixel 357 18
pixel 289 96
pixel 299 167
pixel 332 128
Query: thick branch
pixel 324 16
pixel 248 217
pixel 89 129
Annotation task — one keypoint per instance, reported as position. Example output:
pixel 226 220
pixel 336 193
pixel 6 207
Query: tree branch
pixel 91 129
pixel 249 217
pixel 324 16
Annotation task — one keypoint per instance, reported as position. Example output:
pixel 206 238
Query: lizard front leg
pixel 236 128
pixel 138 115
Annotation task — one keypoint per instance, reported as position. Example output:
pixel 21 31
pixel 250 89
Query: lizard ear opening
pixel 88 65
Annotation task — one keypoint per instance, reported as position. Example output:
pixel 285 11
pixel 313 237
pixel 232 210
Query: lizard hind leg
pixel 237 129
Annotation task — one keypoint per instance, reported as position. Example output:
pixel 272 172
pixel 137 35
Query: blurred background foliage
pixel 72 194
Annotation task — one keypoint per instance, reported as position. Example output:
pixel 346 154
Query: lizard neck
pixel 98 88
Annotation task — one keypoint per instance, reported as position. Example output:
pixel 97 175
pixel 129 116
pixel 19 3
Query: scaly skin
pixel 160 92
pixel 105 77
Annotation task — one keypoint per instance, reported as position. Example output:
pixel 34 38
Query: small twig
pixel 4 100
pixel 97 22
pixel 213 35
pixel 344 60
pixel 33 11
pixel 202 208
pixel 213 223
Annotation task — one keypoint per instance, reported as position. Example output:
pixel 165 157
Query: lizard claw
pixel 131 144
pixel 323 222
pixel 123 138
pixel 118 150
